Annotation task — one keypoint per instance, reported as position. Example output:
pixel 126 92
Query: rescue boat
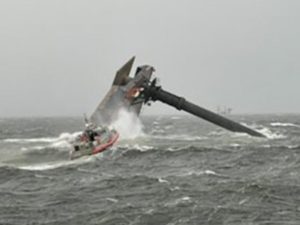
pixel 93 141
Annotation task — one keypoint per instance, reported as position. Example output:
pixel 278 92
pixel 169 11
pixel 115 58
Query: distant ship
pixel 224 110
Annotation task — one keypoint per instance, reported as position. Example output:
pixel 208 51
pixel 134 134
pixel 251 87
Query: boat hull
pixel 91 148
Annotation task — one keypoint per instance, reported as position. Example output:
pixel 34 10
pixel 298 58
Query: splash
pixel 65 139
pixel 270 134
pixel 128 125
pixel 266 131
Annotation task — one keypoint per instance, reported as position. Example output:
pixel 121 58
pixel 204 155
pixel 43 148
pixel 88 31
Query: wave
pixel 264 130
pixel 201 172
pixel 181 137
pixel 62 137
pixel 179 201
pixel 141 148
pixel 37 153
pixel 279 124
pixel 34 148
pixel 281 147
pixel 43 166
pixel 30 140
pixel 270 134
pixel 166 152
pixel 53 165
pixel 293 146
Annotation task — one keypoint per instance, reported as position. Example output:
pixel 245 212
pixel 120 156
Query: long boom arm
pixel 155 93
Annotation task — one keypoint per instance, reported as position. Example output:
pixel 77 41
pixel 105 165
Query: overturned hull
pixel 121 95
pixel 131 93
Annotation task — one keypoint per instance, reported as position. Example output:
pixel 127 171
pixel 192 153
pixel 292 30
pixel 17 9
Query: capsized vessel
pixel 131 93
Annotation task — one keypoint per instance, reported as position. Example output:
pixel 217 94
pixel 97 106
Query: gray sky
pixel 58 57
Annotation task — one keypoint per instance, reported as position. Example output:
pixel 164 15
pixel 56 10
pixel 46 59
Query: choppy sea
pixel 176 170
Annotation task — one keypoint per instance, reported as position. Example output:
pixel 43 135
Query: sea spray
pixel 128 125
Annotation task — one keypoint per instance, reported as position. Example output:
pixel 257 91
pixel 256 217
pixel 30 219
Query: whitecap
pixel 187 198
pixel 30 140
pixel 210 172
pixel 243 201
pixel 69 137
pixel 279 124
pixel 183 200
pixel 176 188
pixel 160 180
pixel 45 166
pixel 179 137
pixel 143 148
pixel 199 173
pixel 235 145
pixel 266 146
pixel 293 146
pixel 61 144
pixel 113 200
pixel 54 165
pixel 271 135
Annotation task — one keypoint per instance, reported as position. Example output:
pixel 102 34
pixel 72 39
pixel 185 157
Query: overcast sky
pixel 58 57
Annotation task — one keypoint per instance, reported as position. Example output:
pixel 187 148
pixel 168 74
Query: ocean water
pixel 175 170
